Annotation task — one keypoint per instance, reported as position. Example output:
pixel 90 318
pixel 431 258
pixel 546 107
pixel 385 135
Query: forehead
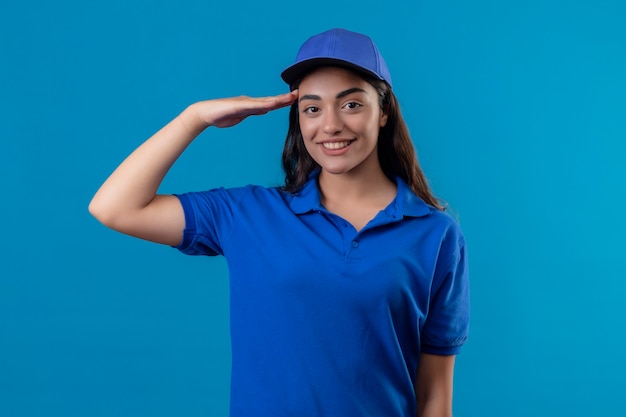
pixel 332 78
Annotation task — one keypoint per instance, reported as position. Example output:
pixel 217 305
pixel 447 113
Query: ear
pixel 383 119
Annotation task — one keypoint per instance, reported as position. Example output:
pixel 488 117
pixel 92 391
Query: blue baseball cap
pixel 338 47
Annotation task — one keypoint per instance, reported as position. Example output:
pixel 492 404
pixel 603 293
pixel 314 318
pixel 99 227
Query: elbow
pixel 103 214
pixel 93 208
pixel 115 216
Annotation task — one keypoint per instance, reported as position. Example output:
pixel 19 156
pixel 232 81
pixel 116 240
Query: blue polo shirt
pixel 327 321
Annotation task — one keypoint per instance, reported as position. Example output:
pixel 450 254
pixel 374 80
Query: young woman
pixel 349 286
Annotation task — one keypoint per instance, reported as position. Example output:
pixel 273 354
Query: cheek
pixel 371 128
pixel 306 128
pixel 305 132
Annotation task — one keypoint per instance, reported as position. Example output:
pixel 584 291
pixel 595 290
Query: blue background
pixel 517 109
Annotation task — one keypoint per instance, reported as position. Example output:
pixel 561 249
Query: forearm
pixel 133 185
pixel 434 408
pixel 433 386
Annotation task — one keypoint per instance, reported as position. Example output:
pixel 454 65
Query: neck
pixel 371 185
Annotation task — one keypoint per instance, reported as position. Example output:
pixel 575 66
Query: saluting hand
pixel 227 112
pixel 127 201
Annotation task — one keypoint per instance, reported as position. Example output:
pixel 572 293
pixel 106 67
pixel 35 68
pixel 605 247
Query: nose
pixel 332 122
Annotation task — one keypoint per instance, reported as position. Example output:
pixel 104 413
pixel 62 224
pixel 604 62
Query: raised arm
pixel 128 201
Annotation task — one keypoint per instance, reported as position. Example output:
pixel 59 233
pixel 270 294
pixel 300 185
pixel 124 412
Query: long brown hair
pixel 396 153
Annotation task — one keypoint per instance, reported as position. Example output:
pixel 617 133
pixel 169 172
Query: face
pixel 340 118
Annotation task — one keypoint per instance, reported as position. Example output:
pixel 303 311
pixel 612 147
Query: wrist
pixel 191 120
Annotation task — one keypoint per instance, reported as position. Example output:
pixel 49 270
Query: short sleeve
pixel 447 324
pixel 209 218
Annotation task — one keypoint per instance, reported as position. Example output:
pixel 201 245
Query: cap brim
pixel 298 70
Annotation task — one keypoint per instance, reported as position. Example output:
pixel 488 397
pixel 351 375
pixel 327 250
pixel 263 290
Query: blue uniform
pixel 327 321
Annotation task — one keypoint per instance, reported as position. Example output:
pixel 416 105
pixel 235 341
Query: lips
pixel 336 145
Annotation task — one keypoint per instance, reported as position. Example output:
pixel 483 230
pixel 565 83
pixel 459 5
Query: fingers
pixel 281 100
pixel 262 105
pixel 230 111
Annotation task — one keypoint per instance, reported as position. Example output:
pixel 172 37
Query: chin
pixel 335 170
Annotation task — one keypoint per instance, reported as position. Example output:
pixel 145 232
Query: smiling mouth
pixel 337 145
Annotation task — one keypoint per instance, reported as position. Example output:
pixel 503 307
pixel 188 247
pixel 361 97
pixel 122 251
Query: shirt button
pixel 355 243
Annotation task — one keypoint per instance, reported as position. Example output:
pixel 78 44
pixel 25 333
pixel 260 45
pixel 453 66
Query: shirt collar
pixel 308 197
pixel 406 203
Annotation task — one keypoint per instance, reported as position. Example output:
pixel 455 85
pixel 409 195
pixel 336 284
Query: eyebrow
pixel 339 95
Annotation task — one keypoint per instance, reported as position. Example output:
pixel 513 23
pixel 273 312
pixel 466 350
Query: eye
pixel 311 109
pixel 352 105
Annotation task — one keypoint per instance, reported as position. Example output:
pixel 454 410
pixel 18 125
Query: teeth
pixel 335 145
